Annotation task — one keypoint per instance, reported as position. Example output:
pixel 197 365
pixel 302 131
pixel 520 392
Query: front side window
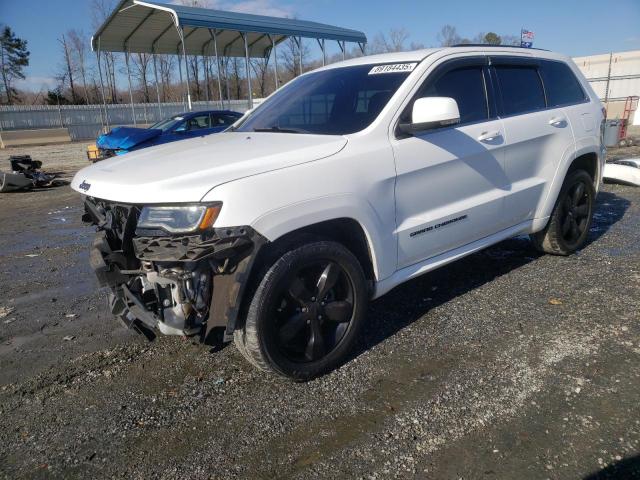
pixel 521 89
pixel 466 86
pixel 561 85
pixel 198 122
pixel 168 124
pixel 337 101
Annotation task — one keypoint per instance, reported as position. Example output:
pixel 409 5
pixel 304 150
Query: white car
pixel 344 183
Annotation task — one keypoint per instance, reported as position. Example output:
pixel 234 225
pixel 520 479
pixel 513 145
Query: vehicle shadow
pixel 610 208
pixel 627 468
pixel 412 300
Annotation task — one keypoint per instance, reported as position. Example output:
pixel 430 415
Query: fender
pixel 278 222
pixel 544 211
pixel 279 202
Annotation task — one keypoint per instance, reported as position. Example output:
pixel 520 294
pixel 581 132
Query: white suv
pixel 344 183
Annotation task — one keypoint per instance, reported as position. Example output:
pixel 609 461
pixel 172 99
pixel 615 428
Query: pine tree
pixel 14 56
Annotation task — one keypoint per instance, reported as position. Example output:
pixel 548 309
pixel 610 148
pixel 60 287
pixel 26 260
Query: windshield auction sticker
pixel 393 68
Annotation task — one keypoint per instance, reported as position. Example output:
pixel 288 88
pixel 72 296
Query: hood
pixel 124 138
pixel 185 171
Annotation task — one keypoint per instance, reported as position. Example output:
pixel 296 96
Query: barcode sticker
pixel 393 68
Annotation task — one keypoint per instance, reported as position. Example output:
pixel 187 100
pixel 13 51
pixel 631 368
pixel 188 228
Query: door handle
pixel 489 136
pixel 557 121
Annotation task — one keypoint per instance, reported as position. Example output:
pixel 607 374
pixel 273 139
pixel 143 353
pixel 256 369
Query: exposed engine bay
pixel 164 281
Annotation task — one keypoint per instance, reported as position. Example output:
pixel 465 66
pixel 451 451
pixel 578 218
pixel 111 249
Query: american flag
pixel 527 36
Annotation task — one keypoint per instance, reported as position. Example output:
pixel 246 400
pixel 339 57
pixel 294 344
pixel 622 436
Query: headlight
pixel 179 218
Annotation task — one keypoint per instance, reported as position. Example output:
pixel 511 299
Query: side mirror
pixel 431 112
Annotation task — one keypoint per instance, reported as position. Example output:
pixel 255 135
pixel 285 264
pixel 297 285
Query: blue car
pixel 121 140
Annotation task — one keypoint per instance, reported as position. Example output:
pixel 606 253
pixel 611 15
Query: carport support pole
pixel 248 70
pixel 181 81
pixel 186 67
pixel 300 52
pixel 275 59
pixel 215 48
pixel 155 76
pixel 133 110
pixel 206 77
pixel 324 54
pixel 104 99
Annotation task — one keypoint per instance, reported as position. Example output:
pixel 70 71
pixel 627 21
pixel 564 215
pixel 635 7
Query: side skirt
pixel 417 269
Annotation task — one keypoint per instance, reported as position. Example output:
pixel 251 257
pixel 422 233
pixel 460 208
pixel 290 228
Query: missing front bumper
pixel 158 293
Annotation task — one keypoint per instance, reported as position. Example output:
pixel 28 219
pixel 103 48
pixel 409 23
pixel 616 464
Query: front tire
pixel 568 227
pixel 306 312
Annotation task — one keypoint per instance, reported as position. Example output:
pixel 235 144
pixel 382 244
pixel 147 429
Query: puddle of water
pixel 72 290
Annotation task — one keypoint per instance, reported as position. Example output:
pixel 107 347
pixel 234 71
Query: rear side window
pixel 466 86
pixel 521 89
pixel 561 85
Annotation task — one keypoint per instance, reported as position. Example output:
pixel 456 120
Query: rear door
pixel 450 181
pixel 539 135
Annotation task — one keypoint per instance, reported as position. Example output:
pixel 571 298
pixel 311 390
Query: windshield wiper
pixel 275 128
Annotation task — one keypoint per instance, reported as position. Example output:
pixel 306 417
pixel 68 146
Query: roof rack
pixel 490 45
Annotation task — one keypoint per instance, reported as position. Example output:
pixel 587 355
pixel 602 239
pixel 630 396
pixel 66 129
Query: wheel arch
pixel 345 230
pixel 585 159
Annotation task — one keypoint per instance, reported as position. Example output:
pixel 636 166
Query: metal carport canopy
pixel 153 27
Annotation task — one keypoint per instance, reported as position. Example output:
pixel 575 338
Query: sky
pixel 575 28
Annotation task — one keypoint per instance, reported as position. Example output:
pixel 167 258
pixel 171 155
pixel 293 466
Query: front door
pixel 451 181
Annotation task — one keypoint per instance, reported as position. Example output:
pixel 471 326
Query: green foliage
pixel 14 57
pixel 55 97
pixel 492 39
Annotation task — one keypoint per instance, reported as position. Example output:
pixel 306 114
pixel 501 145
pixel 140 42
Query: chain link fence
pixel 85 122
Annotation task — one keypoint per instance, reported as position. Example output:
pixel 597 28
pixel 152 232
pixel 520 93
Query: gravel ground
pixel 504 365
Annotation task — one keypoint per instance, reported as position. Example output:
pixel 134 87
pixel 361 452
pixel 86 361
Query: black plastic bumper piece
pixel 108 273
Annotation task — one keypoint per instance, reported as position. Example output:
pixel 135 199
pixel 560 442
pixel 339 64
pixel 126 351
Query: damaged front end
pixel 180 283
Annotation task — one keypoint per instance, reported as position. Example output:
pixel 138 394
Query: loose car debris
pixel 25 174
pixel 625 171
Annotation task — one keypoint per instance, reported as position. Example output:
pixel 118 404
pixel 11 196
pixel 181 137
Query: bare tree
pixel 393 42
pixel 140 63
pixel 193 64
pixel 448 36
pixel 261 71
pixel 79 54
pixel 290 55
pixel 235 77
pixel 69 67
pixel 100 11
pixel 166 64
pixel 510 39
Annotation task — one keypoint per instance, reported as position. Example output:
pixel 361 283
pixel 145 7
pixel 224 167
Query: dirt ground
pixel 504 365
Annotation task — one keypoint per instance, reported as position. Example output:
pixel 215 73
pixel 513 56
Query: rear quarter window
pixel 521 89
pixel 561 85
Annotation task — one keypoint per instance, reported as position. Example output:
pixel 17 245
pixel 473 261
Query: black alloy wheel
pixel 568 227
pixel 576 212
pixel 306 311
pixel 313 311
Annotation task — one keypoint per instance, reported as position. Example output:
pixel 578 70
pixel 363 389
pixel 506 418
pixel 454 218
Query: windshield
pixel 337 101
pixel 166 125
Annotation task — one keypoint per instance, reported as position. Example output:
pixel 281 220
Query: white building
pixel 614 77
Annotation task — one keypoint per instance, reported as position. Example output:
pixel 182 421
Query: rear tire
pixel 570 221
pixel 306 312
